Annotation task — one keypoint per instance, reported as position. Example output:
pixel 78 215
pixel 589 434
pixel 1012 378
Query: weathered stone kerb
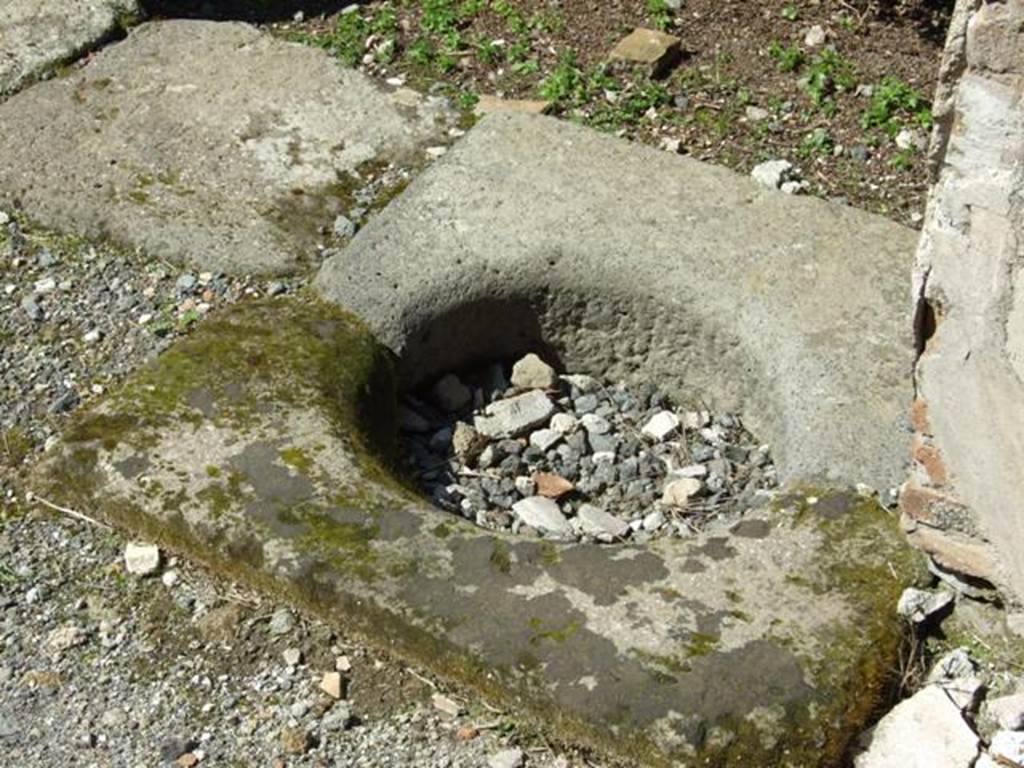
pixel 37 36
pixel 212 144
pixel 260 445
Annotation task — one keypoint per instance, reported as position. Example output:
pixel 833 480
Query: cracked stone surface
pixel 208 143
pixel 37 35
pixel 260 443
pixel 533 233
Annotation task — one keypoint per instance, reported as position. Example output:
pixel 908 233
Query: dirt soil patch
pixel 840 89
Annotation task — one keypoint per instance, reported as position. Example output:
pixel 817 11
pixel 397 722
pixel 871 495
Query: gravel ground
pixel 99 667
pixel 76 317
pixel 596 462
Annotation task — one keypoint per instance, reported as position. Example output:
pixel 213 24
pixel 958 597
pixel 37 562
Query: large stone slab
pixel 37 35
pixel 633 263
pixel 966 497
pixel 205 142
pixel 260 445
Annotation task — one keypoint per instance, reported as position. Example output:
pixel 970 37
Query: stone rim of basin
pixel 245 446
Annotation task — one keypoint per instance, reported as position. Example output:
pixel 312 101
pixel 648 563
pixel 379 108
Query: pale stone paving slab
pixel 209 143
pixel 36 35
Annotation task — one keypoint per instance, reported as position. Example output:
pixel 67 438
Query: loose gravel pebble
pixel 576 459
pixel 75 318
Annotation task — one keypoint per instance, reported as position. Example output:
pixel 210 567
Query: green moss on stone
pixel 549 553
pixel 701 644
pixel 297 459
pixel 864 557
pixel 501 557
pixel 553 634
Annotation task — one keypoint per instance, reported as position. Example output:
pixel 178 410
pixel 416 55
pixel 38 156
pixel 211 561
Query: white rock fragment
pixel 672 145
pixel 691 470
pixel 450 393
pixel 1006 711
pixel 594 424
pixel 654 520
pixel 696 419
pixel 543 514
pixel 531 372
pixel 957 675
pixel 924 731
pixel 564 422
pixel 507 758
pixel 344 226
pixel 141 559
pixel 515 415
pixel 919 605
pixel 661 425
pixel 46 285
pixel 92 336
pixel 771 174
pixel 1007 748
pixel 525 486
pixel 445 705
pixel 169 578
pixel 582 383
pixel 467 443
pixel 282 621
pixel 912 139
pixel 595 522
pixel 330 684
pixel 756 114
pixel 952 665
pixel 65 637
pixel 679 492
pixel 291 656
pixel 543 439
pixel 815 36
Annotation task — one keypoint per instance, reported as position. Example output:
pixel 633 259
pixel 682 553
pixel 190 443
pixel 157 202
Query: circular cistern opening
pixel 515 445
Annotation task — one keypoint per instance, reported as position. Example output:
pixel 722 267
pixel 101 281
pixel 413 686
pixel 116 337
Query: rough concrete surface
pixel 627 262
pixel 258 445
pixel 36 35
pixel 968 291
pixel 203 142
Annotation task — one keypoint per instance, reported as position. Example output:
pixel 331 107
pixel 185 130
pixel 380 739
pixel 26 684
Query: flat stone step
pixel 38 35
pixel 208 143
pixel 259 443
pixel 630 263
